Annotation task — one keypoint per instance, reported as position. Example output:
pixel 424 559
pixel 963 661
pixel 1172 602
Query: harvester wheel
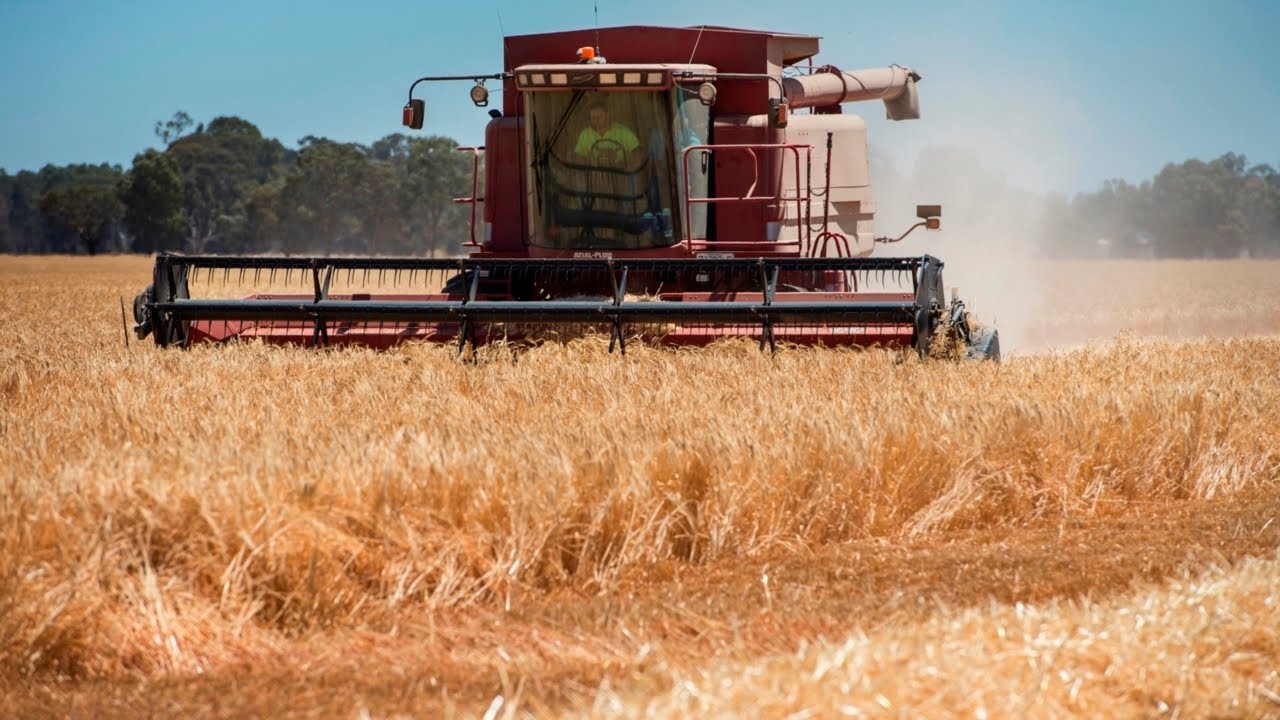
pixel 141 313
pixel 929 305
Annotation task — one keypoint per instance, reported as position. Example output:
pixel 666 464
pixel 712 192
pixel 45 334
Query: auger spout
pixel 895 85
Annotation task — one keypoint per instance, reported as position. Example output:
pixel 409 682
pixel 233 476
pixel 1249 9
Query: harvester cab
pixel 676 184
pixel 603 161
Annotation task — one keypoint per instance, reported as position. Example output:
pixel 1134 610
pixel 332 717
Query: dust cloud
pixel 990 241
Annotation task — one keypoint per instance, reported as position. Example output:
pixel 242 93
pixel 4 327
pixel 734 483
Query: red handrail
pixel 475 199
pixel 749 196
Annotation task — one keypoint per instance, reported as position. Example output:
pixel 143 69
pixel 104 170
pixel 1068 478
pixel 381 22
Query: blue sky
pixel 1057 96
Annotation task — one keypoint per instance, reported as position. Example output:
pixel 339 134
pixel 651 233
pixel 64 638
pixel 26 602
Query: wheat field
pixel 1086 530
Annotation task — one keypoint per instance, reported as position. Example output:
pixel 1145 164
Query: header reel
pixel 812 301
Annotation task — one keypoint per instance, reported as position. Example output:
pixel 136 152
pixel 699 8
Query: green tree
pixel 1255 211
pixel 221 166
pixel 1190 202
pixel 90 211
pixel 435 174
pixel 337 198
pixel 7 241
pixel 173 128
pixel 393 148
pixel 25 224
pixel 1220 208
pixel 263 225
pixel 152 194
pixel 35 230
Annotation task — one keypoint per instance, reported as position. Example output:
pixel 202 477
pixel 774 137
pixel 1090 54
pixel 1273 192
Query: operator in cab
pixel 605 141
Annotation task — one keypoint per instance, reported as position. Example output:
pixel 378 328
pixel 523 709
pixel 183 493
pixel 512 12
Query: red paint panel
pixel 504 184
pixel 734 171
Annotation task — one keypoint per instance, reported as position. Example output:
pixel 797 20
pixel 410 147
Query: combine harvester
pixel 643 196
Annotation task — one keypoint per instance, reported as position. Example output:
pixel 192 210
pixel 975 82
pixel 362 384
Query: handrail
pixel 475 199
pixel 801 198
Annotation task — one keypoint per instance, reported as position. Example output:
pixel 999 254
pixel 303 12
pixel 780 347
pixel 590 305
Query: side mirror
pixel 931 214
pixel 930 217
pixel 414 113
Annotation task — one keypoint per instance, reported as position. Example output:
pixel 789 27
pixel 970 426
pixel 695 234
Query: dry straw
pixel 173 513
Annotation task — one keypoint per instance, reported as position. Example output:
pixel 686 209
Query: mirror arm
pixel 472 78
pixel 887 240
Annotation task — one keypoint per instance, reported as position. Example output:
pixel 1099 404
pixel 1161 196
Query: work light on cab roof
pixel 699 183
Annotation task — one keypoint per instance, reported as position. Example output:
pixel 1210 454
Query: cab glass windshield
pixel 604 169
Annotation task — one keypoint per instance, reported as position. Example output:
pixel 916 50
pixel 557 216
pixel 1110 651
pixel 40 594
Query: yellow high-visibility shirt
pixel 617 135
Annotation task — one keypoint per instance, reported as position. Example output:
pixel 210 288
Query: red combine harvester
pixel 680 202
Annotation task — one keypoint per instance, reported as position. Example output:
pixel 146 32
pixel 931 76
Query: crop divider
pixel 619 294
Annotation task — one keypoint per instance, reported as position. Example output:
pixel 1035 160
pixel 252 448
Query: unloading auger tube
pixel 894 85
pixel 471 301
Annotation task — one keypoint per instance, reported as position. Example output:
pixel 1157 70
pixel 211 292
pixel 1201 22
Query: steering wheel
pixel 607 148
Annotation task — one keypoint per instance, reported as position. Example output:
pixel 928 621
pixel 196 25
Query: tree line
pixel 223 187
pixel 1223 208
